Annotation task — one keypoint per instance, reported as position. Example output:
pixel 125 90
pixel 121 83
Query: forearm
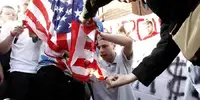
pixel 118 39
pixel 130 78
pixel 5 45
pixel 160 58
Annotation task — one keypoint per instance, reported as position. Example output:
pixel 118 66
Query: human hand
pixel 87 22
pixel 17 31
pixel 119 80
pixel 122 29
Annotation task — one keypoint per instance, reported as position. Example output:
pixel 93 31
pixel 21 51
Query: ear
pixel 114 45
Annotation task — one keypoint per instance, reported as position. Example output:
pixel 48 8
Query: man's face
pixel 149 28
pixel 106 49
pixel 8 14
pixel 24 5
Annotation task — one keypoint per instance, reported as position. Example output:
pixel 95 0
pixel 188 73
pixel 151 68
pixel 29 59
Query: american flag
pixel 56 23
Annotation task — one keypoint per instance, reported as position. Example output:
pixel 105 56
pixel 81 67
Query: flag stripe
pixel 62 41
pixel 43 10
pixel 74 37
pixel 36 22
pixel 61 64
pixel 90 46
pixel 33 8
pixel 53 46
pixel 31 26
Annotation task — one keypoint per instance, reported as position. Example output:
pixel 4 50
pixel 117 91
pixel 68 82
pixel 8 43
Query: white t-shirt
pixel 25 53
pixel 121 65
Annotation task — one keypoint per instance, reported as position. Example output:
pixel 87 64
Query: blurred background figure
pixel 7 13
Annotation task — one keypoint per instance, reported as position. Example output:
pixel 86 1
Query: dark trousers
pixel 4 90
pixel 55 85
pixel 22 86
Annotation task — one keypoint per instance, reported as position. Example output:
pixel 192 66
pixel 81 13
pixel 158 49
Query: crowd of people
pixel 26 74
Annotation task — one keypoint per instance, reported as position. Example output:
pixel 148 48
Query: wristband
pixel 12 34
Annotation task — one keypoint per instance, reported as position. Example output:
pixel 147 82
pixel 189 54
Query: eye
pixel 104 46
pixel 25 4
pixel 98 47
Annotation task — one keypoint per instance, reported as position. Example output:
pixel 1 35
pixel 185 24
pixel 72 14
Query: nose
pixel 101 50
pixel 12 16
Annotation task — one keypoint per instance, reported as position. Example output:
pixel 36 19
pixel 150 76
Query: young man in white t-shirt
pixel 113 63
pixel 7 14
pixel 24 59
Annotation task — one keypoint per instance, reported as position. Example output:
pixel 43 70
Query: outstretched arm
pixel 152 65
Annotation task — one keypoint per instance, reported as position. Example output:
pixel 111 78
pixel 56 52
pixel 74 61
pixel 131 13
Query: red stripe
pixel 81 77
pixel 90 46
pixel 62 41
pixel 36 22
pixel 74 32
pixel 61 64
pixel 44 12
pixel 53 46
pixel 87 29
pixel 29 28
pixel 80 62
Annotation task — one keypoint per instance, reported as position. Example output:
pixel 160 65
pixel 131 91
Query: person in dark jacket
pixel 172 14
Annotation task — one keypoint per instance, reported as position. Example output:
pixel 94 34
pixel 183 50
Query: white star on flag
pixel 58 27
pixel 70 25
pixel 61 9
pixel 69 2
pixel 68 11
pixel 77 13
pixel 63 18
pixel 56 8
pixel 58 18
pixel 63 1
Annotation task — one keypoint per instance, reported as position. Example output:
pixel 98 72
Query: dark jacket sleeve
pixel 91 7
pixel 160 58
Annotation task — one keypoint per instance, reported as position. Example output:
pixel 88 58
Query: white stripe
pixel 54 38
pixel 92 34
pixel 88 55
pixel 47 5
pixel 37 13
pixel 69 40
pixel 39 34
pixel 80 70
pixel 52 53
pixel 51 29
pixel 79 46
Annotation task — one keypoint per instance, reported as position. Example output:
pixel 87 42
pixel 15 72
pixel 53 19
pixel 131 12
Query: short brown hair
pixel 149 22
